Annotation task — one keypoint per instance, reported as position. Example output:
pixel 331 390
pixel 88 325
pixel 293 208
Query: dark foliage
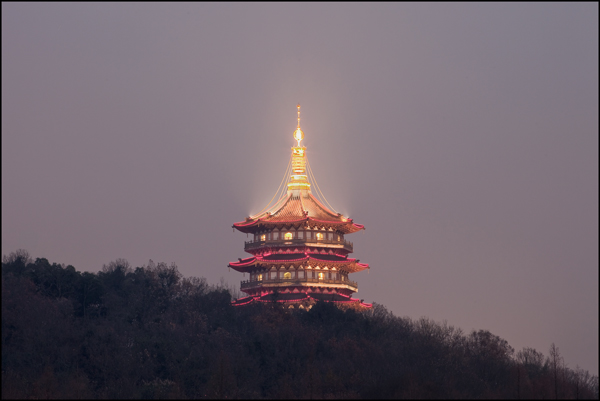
pixel 150 333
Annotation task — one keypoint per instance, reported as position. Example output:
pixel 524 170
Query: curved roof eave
pixel 291 209
pixel 248 226
pixel 243 264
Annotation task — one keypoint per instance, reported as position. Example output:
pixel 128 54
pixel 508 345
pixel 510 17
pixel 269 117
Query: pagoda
pixel 299 252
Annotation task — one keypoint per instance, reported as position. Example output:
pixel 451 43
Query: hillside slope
pixel 148 332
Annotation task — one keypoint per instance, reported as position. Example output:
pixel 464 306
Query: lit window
pixel 263 237
pixel 320 276
pixel 259 277
pixel 319 236
pixel 288 236
pixel 287 275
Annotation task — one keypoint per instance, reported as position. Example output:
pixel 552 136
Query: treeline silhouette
pixel 150 333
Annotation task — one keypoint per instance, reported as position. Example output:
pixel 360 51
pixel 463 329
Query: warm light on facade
pixel 299 179
pixel 295 246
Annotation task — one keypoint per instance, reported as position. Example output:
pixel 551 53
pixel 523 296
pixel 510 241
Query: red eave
pixel 254 298
pixel 292 210
pixel 244 226
pixel 242 264
pixel 359 226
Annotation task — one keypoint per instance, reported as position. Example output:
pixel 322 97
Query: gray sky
pixel 463 136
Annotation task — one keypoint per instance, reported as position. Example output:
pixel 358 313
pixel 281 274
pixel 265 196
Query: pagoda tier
pixel 262 248
pixel 295 260
pixel 299 254
pixel 295 211
pixel 315 286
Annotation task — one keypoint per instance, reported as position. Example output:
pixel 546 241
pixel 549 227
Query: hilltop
pixel 149 332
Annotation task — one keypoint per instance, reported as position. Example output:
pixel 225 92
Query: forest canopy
pixel 148 332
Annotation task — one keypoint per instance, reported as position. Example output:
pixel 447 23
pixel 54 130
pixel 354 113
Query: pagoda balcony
pixel 328 243
pixel 303 282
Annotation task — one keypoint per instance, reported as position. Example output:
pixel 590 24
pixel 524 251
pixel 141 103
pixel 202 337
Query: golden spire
pixel 298 134
pixel 298 179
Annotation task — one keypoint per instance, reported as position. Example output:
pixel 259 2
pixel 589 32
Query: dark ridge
pixel 148 332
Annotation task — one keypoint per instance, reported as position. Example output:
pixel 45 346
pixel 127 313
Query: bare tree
pixel 530 357
pixel 119 264
pixel 555 364
pixel 20 255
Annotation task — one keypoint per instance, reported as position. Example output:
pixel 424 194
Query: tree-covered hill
pixel 148 332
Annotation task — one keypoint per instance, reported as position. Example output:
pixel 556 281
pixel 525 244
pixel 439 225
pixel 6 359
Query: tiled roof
pixel 290 296
pixel 329 258
pixel 299 208
pixel 349 264
pixel 284 256
pixel 299 297
pixel 291 210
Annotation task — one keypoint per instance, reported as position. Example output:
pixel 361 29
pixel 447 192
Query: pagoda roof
pixel 298 207
pixel 350 264
pixel 299 297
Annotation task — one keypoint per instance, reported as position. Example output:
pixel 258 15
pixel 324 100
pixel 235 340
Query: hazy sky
pixel 463 136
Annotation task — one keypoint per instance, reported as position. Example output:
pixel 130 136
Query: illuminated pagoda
pixel 299 253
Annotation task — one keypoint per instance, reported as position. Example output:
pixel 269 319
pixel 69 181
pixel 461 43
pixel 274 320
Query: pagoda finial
pixel 298 178
pixel 298 134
